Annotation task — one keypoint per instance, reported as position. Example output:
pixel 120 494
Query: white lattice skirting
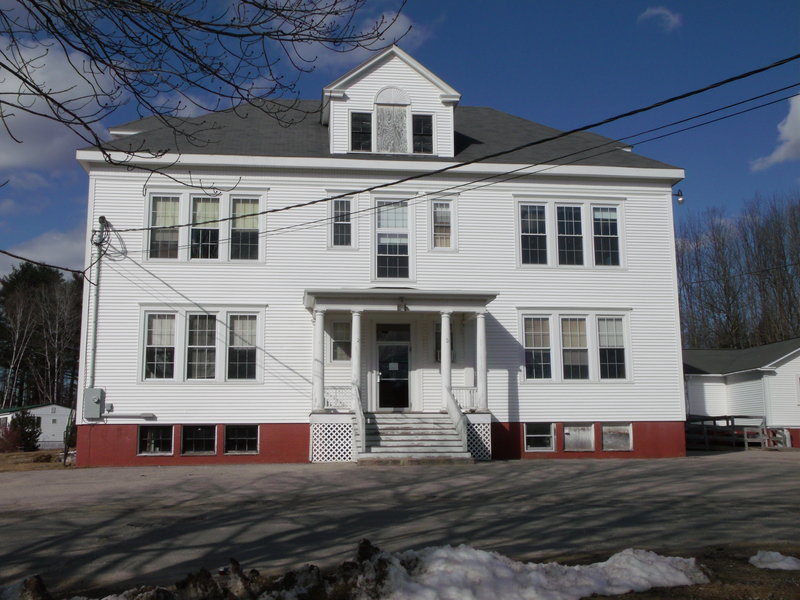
pixel 331 442
pixel 479 440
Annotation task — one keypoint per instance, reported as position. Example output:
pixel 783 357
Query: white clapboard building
pixel 518 306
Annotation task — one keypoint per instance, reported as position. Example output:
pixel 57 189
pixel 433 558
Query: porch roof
pixel 397 299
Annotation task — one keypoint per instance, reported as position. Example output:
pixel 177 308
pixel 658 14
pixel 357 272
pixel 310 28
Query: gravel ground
pixel 94 530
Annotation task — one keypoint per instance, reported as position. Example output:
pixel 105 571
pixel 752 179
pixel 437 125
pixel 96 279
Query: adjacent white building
pixel 762 382
pixel 346 288
pixel 51 418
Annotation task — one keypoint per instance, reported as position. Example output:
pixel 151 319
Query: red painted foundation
pixel 117 446
pixel 795 434
pixel 659 439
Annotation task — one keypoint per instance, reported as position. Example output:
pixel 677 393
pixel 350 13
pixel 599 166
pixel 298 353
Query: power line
pixel 486 157
pixel 41 264
pixel 524 171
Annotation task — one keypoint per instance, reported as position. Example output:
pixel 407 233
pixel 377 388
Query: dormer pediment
pixel 391 104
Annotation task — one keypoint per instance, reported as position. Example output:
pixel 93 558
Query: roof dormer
pixel 390 104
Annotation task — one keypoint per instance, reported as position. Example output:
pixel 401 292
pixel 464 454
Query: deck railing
pixel 466 396
pixel 360 429
pixel 339 397
pixel 458 418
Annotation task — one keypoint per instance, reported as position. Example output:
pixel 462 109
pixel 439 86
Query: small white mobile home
pixel 52 418
pixel 383 278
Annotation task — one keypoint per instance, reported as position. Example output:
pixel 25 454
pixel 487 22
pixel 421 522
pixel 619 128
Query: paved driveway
pixel 93 529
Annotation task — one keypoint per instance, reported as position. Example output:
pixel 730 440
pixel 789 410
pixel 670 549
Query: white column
pixel 444 359
pixel 481 363
pixel 355 351
pixel 318 366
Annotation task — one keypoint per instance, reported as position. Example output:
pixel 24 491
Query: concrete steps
pixel 412 438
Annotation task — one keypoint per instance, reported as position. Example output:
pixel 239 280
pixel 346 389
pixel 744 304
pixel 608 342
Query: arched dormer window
pixel 391 121
pixel 392 127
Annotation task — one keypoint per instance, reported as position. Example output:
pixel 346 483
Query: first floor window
pixel 241 439
pixel 164 214
pixel 340 338
pixel 579 437
pixel 539 437
pixel 442 224
pixel 155 439
pixel 606 236
pixel 361 132
pixel 199 439
pixel 570 235
pixel 611 342
pixel 574 348
pixel 242 346
pixel 202 347
pixel 533 234
pixel 342 226
pixel 537 348
pixel 244 229
pixel 159 362
pixel 205 228
pixel 617 436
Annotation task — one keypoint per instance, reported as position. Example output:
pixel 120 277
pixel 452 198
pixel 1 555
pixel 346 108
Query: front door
pixel 393 361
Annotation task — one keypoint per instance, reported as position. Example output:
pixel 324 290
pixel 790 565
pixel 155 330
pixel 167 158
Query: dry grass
pixel 31 461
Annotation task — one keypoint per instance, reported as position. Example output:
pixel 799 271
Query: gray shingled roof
pixel 720 362
pixel 478 131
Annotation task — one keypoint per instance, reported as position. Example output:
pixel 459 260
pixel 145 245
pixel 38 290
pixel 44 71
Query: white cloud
pixel 407 34
pixel 27 180
pixel 62 248
pixel 667 19
pixel 45 143
pixel 788 138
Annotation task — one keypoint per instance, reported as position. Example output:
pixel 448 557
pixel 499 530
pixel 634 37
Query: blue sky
pixel 560 63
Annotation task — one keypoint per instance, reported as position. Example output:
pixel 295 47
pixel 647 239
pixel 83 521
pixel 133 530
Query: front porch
pixel 420 356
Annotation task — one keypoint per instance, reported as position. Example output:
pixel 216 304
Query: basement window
pixel 241 439
pixel 617 437
pixel 155 439
pixel 579 437
pixel 539 437
pixel 199 439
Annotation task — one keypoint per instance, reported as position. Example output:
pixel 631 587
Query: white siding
pixel 54 422
pixel 783 394
pixel 707 396
pixel 299 259
pixel 424 96
pixel 745 394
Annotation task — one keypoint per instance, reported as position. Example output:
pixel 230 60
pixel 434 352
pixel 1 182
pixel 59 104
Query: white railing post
pixel 318 366
pixel 445 359
pixel 481 366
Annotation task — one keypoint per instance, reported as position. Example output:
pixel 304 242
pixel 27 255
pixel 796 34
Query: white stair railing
pixel 360 430
pixel 459 420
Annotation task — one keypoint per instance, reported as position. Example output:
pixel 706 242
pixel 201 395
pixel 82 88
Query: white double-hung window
pixel 392 240
pixel 442 220
pixel 591 346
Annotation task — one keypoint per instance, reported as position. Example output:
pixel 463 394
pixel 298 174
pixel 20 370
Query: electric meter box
pixel 94 400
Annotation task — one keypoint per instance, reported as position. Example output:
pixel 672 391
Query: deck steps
pixel 412 438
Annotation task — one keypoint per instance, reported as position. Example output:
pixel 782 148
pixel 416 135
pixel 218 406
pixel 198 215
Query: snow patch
pixel 765 559
pixel 464 573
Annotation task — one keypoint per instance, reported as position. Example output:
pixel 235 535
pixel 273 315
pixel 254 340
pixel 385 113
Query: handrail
pixel 361 425
pixel 459 420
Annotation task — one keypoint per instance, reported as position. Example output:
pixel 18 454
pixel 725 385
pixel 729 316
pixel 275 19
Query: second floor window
pixel 570 235
pixel 342 226
pixel 164 214
pixel 392 246
pixel 244 229
pixel 442 224
pixel 205 228
pixel 533 234
pixel 606 236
